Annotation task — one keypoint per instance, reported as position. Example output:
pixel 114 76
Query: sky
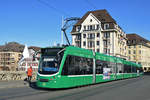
pixel 38 22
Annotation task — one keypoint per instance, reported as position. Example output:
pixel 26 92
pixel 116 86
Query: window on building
pixel 106 26
pixel 105 51
pixel 107 34
pixel 97 43
pixel 84 27
pixel 97 27
pixel 84 43
pixel 78 28
pixel 129 52
pixel 91 44
pixel 91 36
pixel 133 41
pixel 93 27
pixel 90 27
pixel 90 20
pixel 145 68
pixel 134 52
pixel 98 34
pixel 84 35
pixel 139 51
pixel 108 51
pixel 105 43
pixel 79 37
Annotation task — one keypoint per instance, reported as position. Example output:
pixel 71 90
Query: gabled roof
pixel 101 15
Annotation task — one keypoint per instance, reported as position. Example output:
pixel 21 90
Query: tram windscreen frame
pixel 50 60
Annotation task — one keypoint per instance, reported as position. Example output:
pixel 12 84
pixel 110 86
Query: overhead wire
pixel 91 4
pixel 52 7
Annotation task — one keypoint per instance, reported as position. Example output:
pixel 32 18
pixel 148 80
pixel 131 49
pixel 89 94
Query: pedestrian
pixel 29 73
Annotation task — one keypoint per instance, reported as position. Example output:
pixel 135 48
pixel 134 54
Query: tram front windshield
pixel 50 64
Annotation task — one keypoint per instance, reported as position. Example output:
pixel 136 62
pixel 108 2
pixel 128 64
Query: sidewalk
pixel 13 84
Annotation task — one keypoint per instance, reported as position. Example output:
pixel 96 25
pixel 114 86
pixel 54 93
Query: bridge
pixel 129 89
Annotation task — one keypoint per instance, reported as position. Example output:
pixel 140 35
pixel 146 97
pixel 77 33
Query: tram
pixel 70 66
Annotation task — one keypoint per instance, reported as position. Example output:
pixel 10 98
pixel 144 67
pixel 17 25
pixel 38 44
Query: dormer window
pixel 106 26
pixel 77 28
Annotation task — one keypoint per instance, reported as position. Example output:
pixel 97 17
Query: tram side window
pixel 127 68
pixel 113 67
pixel 99 67
pixel 104 64
pixel 120 68
pixel 87 66
pixel 66 65
pixel 133 69
pixel 75 65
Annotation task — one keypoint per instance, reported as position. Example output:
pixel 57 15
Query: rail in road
pixel 129 89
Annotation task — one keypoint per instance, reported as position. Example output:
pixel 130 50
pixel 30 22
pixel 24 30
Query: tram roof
pixel 76 51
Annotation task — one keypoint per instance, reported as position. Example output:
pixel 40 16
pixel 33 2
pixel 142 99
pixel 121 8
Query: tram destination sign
pixel 50 51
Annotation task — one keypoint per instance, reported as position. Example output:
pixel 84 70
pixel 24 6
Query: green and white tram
pixel 72 66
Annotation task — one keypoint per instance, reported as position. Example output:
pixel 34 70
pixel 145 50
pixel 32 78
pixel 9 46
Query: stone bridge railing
pixel 15 75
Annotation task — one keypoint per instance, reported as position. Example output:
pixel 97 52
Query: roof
pixel 138 39
pixel 101 15
pixel 12 46
pixel 16 47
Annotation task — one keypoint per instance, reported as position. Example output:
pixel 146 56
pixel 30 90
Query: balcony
pixel 91 38
pixel 77 39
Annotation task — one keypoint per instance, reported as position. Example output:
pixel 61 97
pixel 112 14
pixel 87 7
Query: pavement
pixel 14 84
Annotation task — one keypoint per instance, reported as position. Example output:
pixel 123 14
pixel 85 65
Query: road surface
pixel 129 89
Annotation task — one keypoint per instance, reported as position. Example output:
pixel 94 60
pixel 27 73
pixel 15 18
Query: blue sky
pixel 33 23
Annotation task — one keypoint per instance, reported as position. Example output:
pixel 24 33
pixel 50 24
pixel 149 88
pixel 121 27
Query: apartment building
pixel 9 60
pixel 99 32
pixel 138 50
pixel 10 54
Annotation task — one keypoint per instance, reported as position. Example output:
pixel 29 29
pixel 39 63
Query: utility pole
pixel 62 40
pixel 94 68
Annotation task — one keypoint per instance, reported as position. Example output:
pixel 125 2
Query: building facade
pixel 99 32
pixel 138 50
pixel 11 54
pixel 9 60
